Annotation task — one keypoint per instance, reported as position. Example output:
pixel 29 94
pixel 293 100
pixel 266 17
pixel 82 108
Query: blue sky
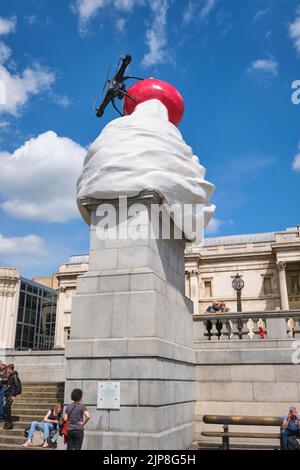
pixel 234 63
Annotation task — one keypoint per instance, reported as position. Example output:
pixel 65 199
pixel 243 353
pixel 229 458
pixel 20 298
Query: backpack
pixel 294 443
pixel 18 385
pixel 38 439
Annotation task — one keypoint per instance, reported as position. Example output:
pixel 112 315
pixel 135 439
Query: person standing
pixel 13 388
pixel 1 402
pixel 77 416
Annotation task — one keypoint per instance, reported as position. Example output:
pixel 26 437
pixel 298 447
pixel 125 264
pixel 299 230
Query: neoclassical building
pixel 269 264
pixel 67 279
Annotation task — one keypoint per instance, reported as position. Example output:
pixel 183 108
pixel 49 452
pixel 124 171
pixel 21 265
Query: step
pixel 36 399
pixel 15 440
pixel 20 408
pixel 17 432
pixel 43 389
pixel 28 417
pixel 31 413
pixel 19 425
pixel 14 447
pixel 43 384
pixel 11 439
pixel 32 406
pixel 42 394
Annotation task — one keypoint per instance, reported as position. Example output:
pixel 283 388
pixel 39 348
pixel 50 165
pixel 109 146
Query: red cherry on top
pixel 156 89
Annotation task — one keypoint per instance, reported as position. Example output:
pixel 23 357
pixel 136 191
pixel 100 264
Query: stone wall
pixel 245 378
pixel 233 378
pixel 37 366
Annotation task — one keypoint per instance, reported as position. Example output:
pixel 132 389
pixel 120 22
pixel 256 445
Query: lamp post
pixel 238 285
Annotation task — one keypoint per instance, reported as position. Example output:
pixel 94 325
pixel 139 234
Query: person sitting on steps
pixel 51 422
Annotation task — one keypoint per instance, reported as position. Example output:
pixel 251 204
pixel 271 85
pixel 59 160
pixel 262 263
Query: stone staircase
pixel 32 405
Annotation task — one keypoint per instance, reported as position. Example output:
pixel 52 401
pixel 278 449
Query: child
pixel 1 401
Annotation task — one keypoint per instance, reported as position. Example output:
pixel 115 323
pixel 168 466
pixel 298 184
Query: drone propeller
pixel 106 82
pixel 106 79
pixel 115 87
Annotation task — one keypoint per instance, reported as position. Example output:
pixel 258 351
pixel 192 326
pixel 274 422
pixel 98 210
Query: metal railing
pixel 247 325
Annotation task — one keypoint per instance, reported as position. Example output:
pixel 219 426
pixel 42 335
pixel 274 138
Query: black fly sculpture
pixel 116 88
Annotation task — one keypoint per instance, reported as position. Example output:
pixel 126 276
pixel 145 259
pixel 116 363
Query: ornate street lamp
pixel 238 285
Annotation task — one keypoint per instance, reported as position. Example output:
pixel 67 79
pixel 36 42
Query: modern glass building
pixel 36 316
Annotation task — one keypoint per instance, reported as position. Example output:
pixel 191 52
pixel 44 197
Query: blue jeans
pixel 285 434
pixel 45 427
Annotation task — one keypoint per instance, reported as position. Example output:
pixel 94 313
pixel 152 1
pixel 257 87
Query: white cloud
pixel 5 52
pixel 296 162
pixel 19 88
pixel 126 5
pixel 4 124
pixel 265 66
pixel 120 24
pixel 61 100
pixel 260 13
pixel 156 36
pixel 88 9
pixel 214 226
pixel 29 245
pixel 30 19
pixel 7 25
pixel 189 13
pixel 208 7
pixel 294 31
pixel 38 181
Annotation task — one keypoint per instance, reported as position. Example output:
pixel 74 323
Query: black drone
pixel 116 88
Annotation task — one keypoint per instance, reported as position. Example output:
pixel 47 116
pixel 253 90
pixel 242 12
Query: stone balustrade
pixel 247 326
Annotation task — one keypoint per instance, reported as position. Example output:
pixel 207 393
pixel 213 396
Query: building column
pixel 9 292
pixel 193 276
pixel 59 341
pixel 284 298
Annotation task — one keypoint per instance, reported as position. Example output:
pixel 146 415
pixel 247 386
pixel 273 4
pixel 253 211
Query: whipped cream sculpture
pixel 145 151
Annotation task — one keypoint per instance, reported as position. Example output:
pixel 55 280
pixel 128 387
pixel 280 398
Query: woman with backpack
pixel 13 388
pixel 48 426
pixel 76 416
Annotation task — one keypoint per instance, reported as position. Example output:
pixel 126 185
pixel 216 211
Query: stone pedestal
pixel 131 323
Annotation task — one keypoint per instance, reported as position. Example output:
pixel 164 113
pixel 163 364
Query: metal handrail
pixel 243 420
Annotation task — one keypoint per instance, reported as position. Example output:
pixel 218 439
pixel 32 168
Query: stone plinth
pixel 131 323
